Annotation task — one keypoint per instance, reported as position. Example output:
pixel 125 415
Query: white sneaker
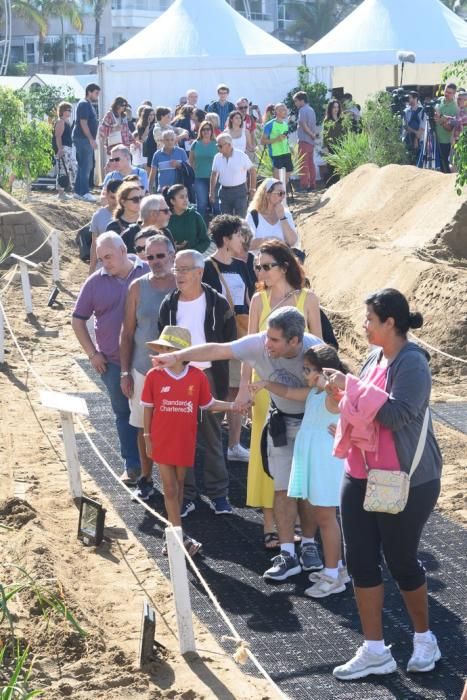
pixel 425 655
pixel 88 197
pixel 77 196
pixel 238 453
pixel 365 663
pixel 343 575
pixel 325 586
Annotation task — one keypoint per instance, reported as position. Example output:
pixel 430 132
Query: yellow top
pixel 266 307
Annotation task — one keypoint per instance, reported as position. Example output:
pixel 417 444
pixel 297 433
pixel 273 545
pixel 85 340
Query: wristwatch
pixel 124 374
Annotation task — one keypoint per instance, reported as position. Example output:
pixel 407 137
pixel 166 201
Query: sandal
pixel 192 546
pixel 271 540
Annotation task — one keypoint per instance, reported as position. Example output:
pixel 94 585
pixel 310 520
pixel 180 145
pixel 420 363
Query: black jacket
pixel 219 327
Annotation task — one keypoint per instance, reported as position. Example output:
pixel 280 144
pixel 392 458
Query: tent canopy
pixel 198 44
pixel 375 32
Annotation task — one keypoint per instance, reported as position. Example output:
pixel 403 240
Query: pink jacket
pixel 357 426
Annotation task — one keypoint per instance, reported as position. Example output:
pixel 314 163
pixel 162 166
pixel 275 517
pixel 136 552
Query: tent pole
pixel 396 75
pixel 101 156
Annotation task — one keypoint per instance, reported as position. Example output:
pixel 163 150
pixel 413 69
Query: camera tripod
pixel 429 156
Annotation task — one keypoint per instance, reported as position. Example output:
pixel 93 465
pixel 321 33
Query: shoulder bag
pixel 115 136
pixel 387 491
pixel 241 320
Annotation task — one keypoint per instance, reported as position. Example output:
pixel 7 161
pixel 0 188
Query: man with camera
pixel 445 110
pixel 275 136
pixel 414 122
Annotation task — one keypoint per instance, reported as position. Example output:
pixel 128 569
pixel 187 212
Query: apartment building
pixel 120 21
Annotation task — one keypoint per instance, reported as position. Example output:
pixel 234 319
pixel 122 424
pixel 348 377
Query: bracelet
pixel 146 434
pixel 124 374
pixel 283 218
pixel 93 354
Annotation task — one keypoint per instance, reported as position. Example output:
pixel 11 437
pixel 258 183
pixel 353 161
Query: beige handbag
pixel 388 491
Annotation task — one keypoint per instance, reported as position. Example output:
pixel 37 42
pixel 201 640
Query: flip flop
pixel 192 546
pixel 271 540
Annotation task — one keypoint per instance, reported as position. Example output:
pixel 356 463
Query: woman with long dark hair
pixel 241 137
pixel 281 283
pixel 392 411
pixel 333 131
pixel 114 129
pixel 144 125
pixel 186 224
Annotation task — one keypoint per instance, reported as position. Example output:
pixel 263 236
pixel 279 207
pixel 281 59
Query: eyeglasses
pixel 206 128
pixel 281 193
pixel 241 109
pixel 135 200
pixel 164 211
pixel 183 270
pixel 117 159
pixel 266 267
pixel 157 256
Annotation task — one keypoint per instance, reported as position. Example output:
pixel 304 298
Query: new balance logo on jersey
pixel 165 389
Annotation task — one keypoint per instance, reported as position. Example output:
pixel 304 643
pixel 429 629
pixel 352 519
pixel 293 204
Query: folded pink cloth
pixel 358 408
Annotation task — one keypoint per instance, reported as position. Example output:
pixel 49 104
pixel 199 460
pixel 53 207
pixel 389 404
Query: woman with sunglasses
pixel 281 283
pixel 185 224
pixel 114 128
pixel 201 156
pixel 268 217
pixel 126 212
pixel 241 137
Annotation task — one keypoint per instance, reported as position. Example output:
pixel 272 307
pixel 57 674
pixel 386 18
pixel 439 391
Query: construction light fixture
pixel 147 635
pixel 91 522
pixel 53 296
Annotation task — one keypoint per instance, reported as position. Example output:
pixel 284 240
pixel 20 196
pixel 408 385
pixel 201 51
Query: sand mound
pixel 15 513
pixel 400 227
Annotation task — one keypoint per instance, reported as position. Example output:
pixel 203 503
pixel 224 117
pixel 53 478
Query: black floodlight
pixel 91 522
pixel 53 296
pixel 148 633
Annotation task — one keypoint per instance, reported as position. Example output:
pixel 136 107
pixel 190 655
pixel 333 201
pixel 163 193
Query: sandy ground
pixel 105 589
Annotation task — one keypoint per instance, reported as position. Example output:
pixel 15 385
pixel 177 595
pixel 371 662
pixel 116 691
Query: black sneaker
pixel 282 567
pixel 144 489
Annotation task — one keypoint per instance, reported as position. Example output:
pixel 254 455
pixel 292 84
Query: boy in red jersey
pixel 171 399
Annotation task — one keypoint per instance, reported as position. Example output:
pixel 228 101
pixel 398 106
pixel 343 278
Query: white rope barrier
pixel 40 246
pixel 12 273
pixel 243 651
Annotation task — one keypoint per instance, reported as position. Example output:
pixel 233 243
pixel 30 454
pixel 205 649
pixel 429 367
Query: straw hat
pixel 172 337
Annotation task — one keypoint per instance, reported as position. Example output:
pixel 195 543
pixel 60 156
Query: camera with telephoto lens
pixel 399 101
pixel 430 108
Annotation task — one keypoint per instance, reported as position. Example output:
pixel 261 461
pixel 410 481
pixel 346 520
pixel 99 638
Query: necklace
pixel 289 294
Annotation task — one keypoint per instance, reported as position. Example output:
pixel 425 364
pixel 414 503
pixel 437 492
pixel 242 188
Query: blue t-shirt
pixel 116 175
pixel 167 173
pixel 85 110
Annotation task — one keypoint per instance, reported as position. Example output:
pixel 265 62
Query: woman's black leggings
pixel 398 536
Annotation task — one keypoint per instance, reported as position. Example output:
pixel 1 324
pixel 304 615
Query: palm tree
pixel 27 12
pixel 98 7
pixel 457 6
pixel 65 10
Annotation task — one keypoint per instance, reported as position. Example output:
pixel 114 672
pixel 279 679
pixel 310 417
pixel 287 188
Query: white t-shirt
pixel 191 315
pixel 267 230
pixel 233 170
pixel 239 142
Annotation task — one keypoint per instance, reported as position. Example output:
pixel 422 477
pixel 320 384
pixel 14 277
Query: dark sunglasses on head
pixel 115 160
pixel 266 267
pixel 135 200
pixel 158 256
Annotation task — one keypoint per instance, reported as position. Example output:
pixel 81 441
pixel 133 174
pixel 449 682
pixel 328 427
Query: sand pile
pixel 396 226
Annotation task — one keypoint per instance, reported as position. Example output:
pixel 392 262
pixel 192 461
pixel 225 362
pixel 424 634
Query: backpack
pixel 415 118
pixel 83 241
pixel 186 177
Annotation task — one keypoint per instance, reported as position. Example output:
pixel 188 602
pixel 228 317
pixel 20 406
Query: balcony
pixel 136 14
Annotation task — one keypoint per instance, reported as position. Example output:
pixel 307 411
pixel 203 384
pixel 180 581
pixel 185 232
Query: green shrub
pixel 349 153
pixel 317 95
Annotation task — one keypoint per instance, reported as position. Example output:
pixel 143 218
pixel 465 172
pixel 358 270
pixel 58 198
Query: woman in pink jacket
pixel 393 391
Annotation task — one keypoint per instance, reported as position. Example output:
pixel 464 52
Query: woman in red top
pixel 171 399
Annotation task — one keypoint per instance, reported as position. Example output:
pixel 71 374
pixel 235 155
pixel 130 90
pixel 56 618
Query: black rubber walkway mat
pixel 297 640
pixel 453 414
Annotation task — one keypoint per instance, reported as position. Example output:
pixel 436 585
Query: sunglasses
pixel 266 267
pixel 157 256
pixel 140 248
pixel 135 200
pixel 281 193
pixel 117 159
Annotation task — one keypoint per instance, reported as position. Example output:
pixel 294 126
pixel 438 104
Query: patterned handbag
pixel 387 491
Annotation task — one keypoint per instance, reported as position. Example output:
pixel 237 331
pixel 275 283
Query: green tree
pixel 98 7
pixel 41 101
pixel 457 72
pixel 314 20
pixel 26 143
pixel 458 6
pixel 63 9
pixel 28 12
pixel 317 95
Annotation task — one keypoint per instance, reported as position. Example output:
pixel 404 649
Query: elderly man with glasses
pixel 140 325
pixel 237 176
pixel 120 164
pixel 153 213
pixel 209 318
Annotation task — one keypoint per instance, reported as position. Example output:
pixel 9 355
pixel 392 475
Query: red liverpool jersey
pixel 175 400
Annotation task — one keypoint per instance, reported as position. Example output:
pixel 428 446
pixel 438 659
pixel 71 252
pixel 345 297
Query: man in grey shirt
pixel 140 324
pixel 276 355
pixel 306 133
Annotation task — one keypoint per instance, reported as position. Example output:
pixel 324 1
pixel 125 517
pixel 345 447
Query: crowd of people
pixel 202 309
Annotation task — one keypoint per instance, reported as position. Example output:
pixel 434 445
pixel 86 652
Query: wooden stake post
pixel 55 256
pixel 181 591
pixel 67 405
pixel 24 263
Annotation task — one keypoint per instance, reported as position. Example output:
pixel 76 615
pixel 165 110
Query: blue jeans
pixel 201 188
pixel 84 158
pixel 127 434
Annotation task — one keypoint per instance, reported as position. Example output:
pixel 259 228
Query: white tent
pixel 199 44
pixel 363 47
